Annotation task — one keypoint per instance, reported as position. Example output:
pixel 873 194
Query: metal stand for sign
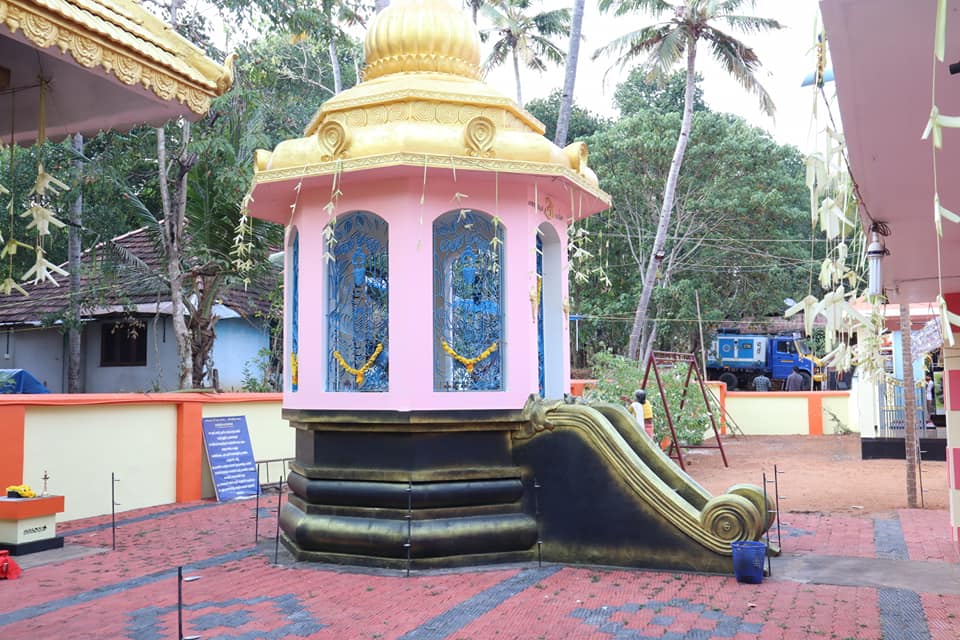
pixel 678 359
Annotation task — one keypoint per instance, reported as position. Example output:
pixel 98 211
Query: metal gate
pixel 890 394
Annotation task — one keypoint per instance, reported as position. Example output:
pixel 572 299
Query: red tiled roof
pixel 126 272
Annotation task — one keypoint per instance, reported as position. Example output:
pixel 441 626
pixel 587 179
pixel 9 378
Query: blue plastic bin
pixel 748 557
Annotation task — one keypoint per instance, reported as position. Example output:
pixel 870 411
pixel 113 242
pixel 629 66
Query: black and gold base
pixel 406 489
pixel 429 490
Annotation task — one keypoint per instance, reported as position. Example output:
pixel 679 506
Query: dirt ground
pixel 818 474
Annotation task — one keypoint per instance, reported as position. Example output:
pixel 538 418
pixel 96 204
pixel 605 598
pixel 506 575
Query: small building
pixel 128 344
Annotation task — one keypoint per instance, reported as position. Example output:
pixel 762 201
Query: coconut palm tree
pixel 570 75
pixel 474 6
pixel 660 47
pixel 523 36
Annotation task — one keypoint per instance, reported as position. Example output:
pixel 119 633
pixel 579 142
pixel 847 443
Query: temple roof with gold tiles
pixel 103 63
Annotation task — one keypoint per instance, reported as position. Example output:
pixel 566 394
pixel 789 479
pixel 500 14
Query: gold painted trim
pixel 602 437
pixel 483 101
pixel 419 160
pixel 136 49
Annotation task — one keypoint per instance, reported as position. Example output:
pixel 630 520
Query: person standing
pixel 641 407
pixel 794 381
pixel 931 405
pixel 761 383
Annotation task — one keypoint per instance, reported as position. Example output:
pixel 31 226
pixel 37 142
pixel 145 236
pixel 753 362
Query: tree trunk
pixel 570 75
pixel 669 192
pixel 335 66
pixel 202 323
pixel 516 75
pixel 909 406
pixel 648 347
pixel 73 252
pixel 174 214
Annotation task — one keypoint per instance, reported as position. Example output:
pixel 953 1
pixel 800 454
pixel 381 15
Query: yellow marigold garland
pixel 23 490
pixel 359 373
pixel 469 363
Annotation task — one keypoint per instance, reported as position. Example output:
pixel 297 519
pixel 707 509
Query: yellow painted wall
pixel 270 436
pixel 769 414
pixel 79 446
pixel 840 407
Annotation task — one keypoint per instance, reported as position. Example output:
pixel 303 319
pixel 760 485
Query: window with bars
pixel 123 344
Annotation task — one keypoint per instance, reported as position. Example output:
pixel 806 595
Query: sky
pixel 787 56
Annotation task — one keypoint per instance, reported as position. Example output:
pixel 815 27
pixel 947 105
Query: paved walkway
pixel 840 577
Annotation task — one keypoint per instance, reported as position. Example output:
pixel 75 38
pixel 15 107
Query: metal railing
pixel 264 477
pixel 892 415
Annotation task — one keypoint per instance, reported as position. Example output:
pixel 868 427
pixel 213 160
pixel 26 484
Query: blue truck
pixel 737 358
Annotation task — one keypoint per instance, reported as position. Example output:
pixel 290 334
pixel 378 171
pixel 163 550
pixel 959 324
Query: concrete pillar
pixel 951 398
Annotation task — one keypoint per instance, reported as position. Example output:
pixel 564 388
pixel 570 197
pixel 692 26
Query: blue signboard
pixel 230 454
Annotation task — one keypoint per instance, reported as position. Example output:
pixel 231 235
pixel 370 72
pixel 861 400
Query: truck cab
pixel 784 356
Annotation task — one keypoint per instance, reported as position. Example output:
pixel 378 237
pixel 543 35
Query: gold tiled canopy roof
pixel 127 61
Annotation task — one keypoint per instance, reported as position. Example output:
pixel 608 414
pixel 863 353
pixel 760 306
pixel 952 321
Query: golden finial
pixel 422 35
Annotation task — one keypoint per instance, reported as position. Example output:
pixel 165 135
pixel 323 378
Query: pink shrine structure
pixel 426 317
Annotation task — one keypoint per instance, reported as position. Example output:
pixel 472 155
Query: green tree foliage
pixel 321 19
pixel 278 87
pixel 524 36
pixel 639 92
pixel 618 378
pixel 583 123
pixel 321 22
pixel 740 235
pixel 661 46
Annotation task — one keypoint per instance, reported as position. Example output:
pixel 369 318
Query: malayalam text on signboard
pixel 230 454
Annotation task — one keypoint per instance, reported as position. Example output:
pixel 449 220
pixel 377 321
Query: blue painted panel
pixel 357 299
pixel 295 315
pixel 737 351
pixel 467 302
pixel 541 373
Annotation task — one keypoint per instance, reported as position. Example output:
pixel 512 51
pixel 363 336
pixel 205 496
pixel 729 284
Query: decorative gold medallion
pixel 479 135
pixel 334 140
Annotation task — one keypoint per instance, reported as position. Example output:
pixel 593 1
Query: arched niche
pixel 357 303
pixel 468 298
pixel 550 313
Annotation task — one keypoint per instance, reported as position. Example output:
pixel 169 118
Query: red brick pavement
pixel 679 603
pixel 131 593
pixel 827 535
pixel 943 615
pixel 927 534
pixel 345 605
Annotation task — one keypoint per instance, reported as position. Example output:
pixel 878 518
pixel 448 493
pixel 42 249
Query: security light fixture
pixel 875 253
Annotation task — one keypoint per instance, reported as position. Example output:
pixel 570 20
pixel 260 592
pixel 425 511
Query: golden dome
pixel 422 35
pixel 422 101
